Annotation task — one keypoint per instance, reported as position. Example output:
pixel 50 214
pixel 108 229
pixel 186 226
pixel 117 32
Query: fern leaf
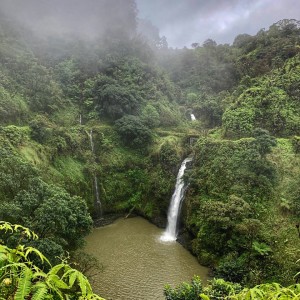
pixel 39 274
pixel 42 257
pixel 72 279
pixel 54 290
pixel 40 291
pixel 204 297
pixel 57 282
pixel 6 226
pixel 24 285
pixel 57 268
pixel 84 285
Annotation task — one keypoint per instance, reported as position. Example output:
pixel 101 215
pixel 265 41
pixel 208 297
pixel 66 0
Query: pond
pixel 136 263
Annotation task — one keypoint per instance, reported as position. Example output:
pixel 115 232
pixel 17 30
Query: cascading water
pixel 98 205
pixel 175 205
pixel 193 118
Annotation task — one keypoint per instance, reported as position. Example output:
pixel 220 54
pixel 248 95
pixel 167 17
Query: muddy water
pixel 136 263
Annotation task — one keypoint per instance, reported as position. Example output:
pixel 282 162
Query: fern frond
pixel 3 253
pixel 72 279
pixel 204 297
pixel 40 291
pixel 13 267
pixel 6 226
pixel 30 250
pixel 54 290
pixel 24 284
pixel 54 280
pixel 57 268
pixel 84 284
pixel 39 274
pixel 4 249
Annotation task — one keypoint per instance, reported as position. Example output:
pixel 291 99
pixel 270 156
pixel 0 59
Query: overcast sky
pixel 184 22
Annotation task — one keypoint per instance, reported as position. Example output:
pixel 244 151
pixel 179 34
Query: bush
pixel 296 144
pixel 185 290
pixel 232 268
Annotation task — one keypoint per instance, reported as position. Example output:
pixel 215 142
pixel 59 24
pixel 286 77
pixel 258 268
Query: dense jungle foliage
pixel 26 273
pixel 112 114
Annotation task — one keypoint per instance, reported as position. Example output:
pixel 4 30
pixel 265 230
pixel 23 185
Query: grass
pixel 34 153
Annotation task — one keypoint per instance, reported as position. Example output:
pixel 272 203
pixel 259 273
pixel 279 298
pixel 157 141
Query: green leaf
pixel 24 284
pixel 30 250
pixel 40 291
pixel 72 279
pixel 204 297
pixel 57 282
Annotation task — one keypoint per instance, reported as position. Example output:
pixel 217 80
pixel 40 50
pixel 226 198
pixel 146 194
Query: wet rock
pixel 185 239
pixel 107 219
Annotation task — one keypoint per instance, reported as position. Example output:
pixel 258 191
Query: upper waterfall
pixel 97 203
pixel 170 233
pixel 193 118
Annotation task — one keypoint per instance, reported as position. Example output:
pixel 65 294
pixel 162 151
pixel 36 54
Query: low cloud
pixel 189 21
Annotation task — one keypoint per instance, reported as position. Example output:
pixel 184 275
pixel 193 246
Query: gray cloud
pixel 89 18
pixel 186 21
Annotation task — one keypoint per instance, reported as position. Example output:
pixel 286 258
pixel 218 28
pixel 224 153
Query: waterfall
pixel 80 119
pixel 193 118
pixel 175 205
pixel 90 135
pixel 98 205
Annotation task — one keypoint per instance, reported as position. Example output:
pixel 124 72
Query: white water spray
pixel 193 118
pixel 175 205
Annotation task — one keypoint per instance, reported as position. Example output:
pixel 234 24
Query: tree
pixel 220 220
pixel 51 212
pixel 263 141
pixel 110 98
pixel 12 108
pixel 209 43
pixel 150 116
pixel 133 132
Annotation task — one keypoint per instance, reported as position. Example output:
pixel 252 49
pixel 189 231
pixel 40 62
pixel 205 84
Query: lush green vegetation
pixel 25 273
pixel 221 289
pixel 134 99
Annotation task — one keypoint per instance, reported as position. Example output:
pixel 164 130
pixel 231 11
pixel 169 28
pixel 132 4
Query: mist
pixel 86 19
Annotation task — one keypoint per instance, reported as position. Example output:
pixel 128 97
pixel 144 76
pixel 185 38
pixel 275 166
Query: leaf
pixel 83 283
pixel 54 289
pixel 72 279
pixel 57 282
pixel 261 248
pixel 39 274
pixel 29 250
pixel 24 284
pixel 56 269
pixel 40 291
pixel 204 297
